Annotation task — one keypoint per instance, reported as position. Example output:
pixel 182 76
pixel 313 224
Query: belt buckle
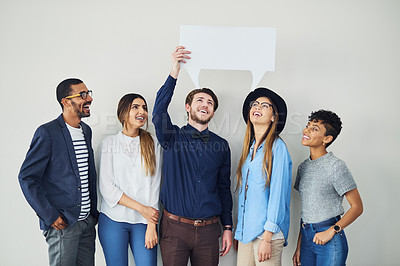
pixel 303 225
pixel 198 222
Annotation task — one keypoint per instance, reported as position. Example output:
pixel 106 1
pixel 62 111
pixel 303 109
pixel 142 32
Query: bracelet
pixel 228 228
pixel 269 241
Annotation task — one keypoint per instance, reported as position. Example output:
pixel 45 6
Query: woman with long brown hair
pixel 264 178
pixel 129 181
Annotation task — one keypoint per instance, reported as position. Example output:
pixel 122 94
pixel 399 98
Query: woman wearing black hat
pixel 264 177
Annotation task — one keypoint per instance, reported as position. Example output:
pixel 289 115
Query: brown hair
pixel 269 136
pixel 190 96
pixel 146 141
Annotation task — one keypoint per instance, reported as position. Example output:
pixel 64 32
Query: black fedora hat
pixel 275 98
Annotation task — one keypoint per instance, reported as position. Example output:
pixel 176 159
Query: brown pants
pixel 248 253
pixel 180 241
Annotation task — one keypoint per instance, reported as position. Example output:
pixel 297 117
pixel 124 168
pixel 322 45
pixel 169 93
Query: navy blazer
pixel 49 176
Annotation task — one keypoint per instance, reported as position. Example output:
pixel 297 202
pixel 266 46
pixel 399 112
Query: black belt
pixel 328 222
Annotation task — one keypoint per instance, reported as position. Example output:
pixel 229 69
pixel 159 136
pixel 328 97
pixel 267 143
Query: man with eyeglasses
pixel 58 179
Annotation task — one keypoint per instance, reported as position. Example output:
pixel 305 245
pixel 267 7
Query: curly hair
pixel 330 120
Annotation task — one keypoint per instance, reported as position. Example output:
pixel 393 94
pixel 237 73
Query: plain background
pixel 339 55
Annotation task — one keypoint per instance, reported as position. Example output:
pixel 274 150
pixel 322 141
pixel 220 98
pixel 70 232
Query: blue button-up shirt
pixel 196 174
pixel 265 208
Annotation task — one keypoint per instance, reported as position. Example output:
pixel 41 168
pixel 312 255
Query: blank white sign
pixel 229 48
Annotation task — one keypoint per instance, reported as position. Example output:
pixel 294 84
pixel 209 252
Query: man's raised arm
pixel 161 118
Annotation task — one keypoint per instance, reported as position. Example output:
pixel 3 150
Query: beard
pixel 195 118
pixel 78 111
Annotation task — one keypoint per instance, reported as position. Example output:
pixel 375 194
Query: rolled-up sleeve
pixel 280 189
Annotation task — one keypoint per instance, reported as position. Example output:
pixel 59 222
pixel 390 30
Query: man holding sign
pixel 196 188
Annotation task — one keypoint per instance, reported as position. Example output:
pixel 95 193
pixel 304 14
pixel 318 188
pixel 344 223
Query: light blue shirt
pixel 265 208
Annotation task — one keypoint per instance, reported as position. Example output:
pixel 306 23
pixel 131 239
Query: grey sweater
pixel 322 184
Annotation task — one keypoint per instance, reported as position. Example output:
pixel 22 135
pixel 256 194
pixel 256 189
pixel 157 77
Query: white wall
pixel 340 55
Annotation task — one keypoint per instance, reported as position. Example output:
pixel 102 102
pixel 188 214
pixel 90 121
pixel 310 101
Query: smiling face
pixel 261 111
pixel 81 107
pixel 137 115
pixel 314 135
pixel 201 110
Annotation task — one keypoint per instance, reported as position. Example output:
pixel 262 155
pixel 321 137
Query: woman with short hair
pixel 323 180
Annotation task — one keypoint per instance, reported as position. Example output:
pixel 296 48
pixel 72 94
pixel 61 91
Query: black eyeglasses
pixel 83 95
pixel 264 105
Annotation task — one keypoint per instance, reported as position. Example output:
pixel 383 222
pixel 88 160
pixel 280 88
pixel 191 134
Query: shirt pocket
pixel 257 178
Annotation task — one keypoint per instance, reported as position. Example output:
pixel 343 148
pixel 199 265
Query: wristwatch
pixel 337 228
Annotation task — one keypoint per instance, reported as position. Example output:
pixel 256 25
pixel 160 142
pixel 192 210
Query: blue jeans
pixel 115 237
pixel 333 253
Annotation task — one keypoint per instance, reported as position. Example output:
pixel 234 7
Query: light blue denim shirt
pixel 265 208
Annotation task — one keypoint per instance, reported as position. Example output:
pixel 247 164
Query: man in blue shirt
pixel 196 188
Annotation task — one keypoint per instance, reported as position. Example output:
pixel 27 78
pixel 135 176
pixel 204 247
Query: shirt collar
pixel 126 139
pixel 189 129
pixel 259 147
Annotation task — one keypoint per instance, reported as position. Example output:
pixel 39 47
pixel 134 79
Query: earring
pixel 323 143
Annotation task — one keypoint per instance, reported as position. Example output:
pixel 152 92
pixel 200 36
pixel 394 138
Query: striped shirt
pixel 82 155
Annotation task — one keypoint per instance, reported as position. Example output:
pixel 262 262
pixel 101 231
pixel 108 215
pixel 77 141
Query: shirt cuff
pixel 271 227
pixel 113 200
pixel 347 189
pixel 170 79
pixel 51 218
pixel 226 220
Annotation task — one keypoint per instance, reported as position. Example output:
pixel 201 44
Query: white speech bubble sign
pixel 229 48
